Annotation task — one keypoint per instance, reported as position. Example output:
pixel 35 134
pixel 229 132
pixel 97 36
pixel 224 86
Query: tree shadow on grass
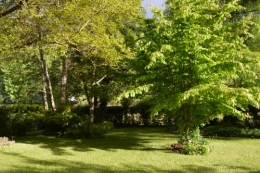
pixel 64 166
pixel 128 140
pixel 238 168
pixel 37 165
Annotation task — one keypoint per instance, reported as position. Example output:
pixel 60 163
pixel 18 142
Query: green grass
pixel 127 150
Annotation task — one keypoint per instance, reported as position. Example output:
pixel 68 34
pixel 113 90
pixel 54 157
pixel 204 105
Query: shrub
pixel 80 110
pixel 195 149
pixel 100 129
pixel 77 130
pixel 143 108
pixel 5 122
pixel 191 143
pixel 230 132
pixel 18 119
pixel 255 133
pixel 60 120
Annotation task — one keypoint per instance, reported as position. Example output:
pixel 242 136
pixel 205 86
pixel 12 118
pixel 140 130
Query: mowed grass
pixel 127 150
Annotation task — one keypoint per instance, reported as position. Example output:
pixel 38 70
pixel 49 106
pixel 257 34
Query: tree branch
pixel 84 25
pixel 14 8
pixel 100 80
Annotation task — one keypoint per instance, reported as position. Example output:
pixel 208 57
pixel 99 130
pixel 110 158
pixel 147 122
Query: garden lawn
pixel 127 150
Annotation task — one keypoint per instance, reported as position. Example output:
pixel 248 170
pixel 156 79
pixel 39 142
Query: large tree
pixel 190 55
pixel 99 42
pixel 88 34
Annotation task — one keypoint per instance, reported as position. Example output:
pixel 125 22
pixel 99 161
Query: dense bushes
pixel 213 131
pixel 100 129
pixel 60 120
pixel 5 122
pixel 73 122
pixel 191 143
pixel 64 122
pixel 17 119
pixel 134 116
pixel 79 130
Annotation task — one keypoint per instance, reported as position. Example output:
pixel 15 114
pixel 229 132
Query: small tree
pixel 190 55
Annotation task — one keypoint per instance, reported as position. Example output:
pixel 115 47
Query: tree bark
pixel 44 92
pixel 91 114
pixel 45 69
pixel 64 80
pixel 12 9
pixel 92 102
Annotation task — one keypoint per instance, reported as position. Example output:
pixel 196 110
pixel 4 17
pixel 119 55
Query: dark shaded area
pixel 129 139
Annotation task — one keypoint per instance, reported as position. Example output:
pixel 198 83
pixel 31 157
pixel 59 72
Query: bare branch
pixel 14 8
pixel 100 80
pixel 84 25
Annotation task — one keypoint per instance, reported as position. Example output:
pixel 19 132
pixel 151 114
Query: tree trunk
pixel 45 99
pixel 64 80
pixel 91 102
pixel 91 113
pixel 45 69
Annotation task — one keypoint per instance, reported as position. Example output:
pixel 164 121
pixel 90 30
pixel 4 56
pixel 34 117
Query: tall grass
pixel 127 150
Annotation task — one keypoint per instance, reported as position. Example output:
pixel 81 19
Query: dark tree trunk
pixel 91 102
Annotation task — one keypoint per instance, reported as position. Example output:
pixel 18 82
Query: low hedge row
pixel 212 131
pixel 17 119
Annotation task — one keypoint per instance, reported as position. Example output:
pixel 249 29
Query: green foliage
pixel 64 29
pixel 80 129
pixel 80 110
pixel 65 122
pixel 26 118
pixel 20 79
pixel 19 119
pixel 60 120
pixel 144 109
pixel 192 143
pixel 215 131
pixel 101 129
pixel 5 122
pixel 253 133
pixel 77 130
pixel 189 58
pixel 195 149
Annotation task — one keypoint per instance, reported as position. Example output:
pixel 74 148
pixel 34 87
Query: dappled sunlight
pixel 64 165
pixel 129 139
pixel 126 150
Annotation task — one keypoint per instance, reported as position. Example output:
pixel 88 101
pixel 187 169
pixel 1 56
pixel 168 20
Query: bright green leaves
pixel 193 53
pixel 20 79
pixel 93 32
pixel 134 92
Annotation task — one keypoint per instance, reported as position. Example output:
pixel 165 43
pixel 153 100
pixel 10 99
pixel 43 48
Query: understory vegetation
pixel 71 122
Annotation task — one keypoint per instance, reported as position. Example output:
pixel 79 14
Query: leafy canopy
pixel 190 55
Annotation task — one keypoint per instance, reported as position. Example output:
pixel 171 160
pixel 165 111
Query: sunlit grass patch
pixel 127 150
